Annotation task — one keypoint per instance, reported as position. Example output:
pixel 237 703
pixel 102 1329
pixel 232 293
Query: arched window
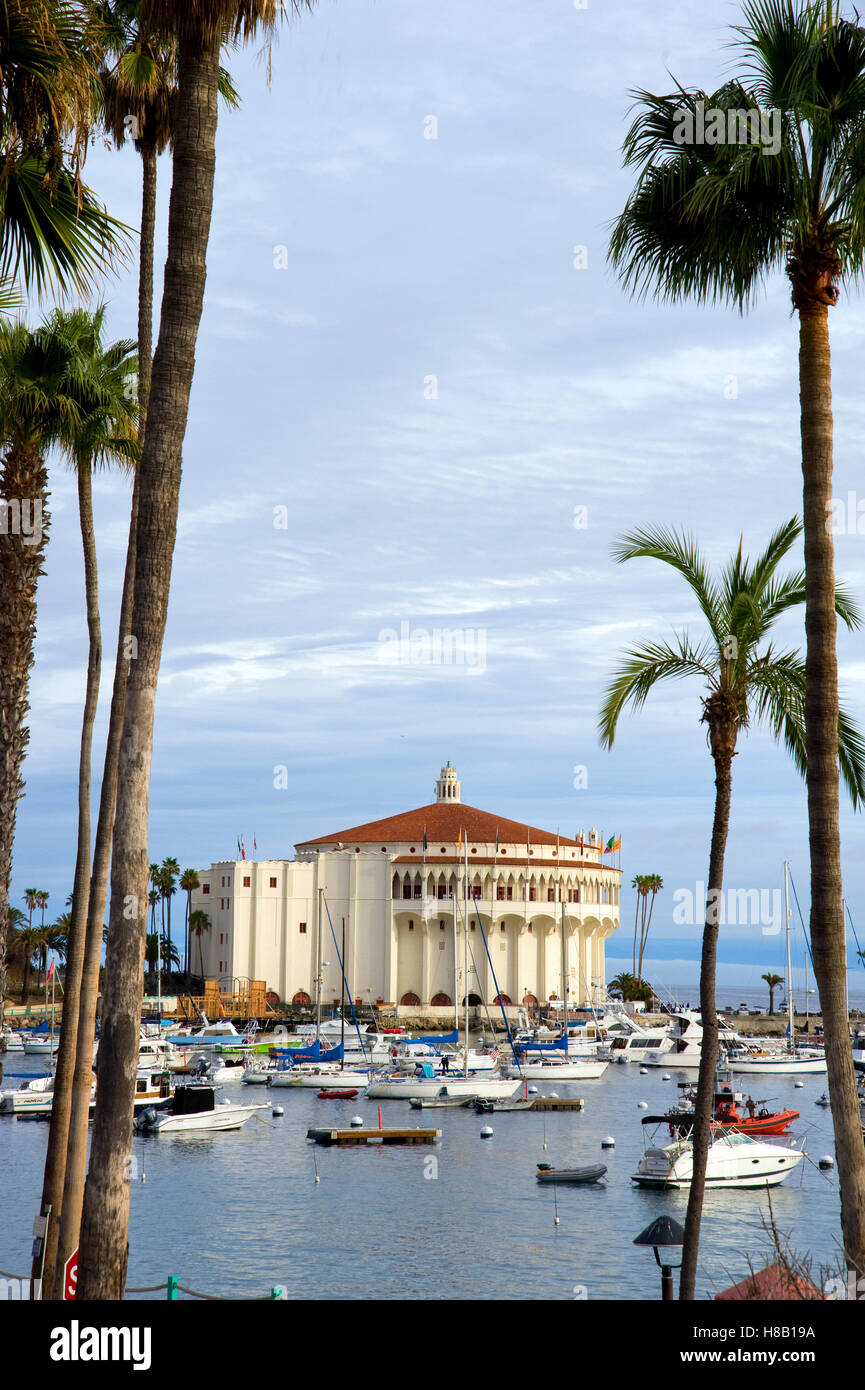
pixel 441 1001
pixel 301 999
pixel 410 999
pixel 501 999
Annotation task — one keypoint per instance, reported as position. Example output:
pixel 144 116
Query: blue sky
pixel 446 504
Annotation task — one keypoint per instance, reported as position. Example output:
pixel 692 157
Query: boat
pixel 594 1172
pixel 823 1100
pixel 210 1034
pixel 443 1102
pixel 685 1041
pixel 427 1086
pixel 194 1108
pixel 734 1160
pixel 726 1113
pixel 257 1073
pixel 564 1068
pixel 36 1096
pixel 488 1107
pixel 338 1095
pixel 319 1076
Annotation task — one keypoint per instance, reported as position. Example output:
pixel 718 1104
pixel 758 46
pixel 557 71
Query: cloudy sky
pixel 414 367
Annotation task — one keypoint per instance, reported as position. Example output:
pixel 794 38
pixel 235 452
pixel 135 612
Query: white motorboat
pixel 193 1109
pixel 735 1160
pixel 33 1096
pixel 429 1086
pixel 257 1073
pixel 686 1041
pixel 210 1034
pixel 406 1056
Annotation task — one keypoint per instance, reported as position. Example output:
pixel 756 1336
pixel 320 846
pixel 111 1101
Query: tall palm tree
pixel 714 221
pixel 199 923
pixel 773 981
pixel 746 681
pixel 653 885
pixel 638 883
pixel 170 870
pixel 189 881
pixel 100 379
pixel 201 27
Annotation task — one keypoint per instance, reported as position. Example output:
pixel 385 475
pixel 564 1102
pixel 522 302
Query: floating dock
pixel 557 1103
pixel 374 1136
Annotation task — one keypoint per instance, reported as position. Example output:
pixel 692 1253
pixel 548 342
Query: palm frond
pixel 643 668
pixel 682 554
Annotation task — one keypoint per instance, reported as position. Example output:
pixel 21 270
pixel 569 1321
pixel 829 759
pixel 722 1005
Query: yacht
pixel 735 1160
pixel 685 1040
pixel 194 1108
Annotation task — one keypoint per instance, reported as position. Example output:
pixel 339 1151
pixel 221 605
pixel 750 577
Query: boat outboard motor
pixel 147 1118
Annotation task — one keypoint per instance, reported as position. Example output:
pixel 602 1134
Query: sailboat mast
pixel 318 972
pixel 342 1006
pixel 466 965
pixel 792 1043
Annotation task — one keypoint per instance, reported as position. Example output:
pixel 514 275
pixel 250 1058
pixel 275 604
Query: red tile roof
pixel 443 822
pixel 773 1282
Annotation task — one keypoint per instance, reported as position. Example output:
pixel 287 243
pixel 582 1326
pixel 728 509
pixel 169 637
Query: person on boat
pixel 446 1064
pixel 751 1107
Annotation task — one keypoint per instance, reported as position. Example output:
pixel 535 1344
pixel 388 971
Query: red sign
pixel 70 1277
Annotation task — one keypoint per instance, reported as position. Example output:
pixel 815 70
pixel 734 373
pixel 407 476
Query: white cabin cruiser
pixel 686 1040
pixel 735 1160
pixel 192 1109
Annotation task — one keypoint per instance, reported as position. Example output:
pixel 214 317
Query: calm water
pixel 233 1214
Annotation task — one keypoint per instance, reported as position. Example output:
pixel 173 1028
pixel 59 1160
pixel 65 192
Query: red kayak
pixel 337 1095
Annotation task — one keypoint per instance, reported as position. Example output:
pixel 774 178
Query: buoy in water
pixel 356 1120
pixel 277 1111
pixel 608 1142
pixel 486 1132
pixel 827 1161
pixel 317 1178
pixel 798 1085
pixel 642 1105
pixel 533 1090
pixel 644 1071
pixel 666 1076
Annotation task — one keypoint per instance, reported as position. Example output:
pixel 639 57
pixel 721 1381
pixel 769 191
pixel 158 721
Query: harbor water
pixel 234 1214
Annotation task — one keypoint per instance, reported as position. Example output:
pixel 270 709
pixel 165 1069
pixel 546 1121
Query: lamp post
pixel 666 1238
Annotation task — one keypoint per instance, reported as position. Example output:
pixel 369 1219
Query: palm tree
pixel 189 881
pixel 201 26
pixel 52 233
pixel 170 870
pixel 638 882
pixel 714 221
pixel 746 680
pixel 773 981
pixel 653 883
pixel 629 987
pixel 99 379
pixel 199 923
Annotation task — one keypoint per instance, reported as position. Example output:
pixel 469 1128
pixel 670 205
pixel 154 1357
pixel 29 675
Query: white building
pixel 398 884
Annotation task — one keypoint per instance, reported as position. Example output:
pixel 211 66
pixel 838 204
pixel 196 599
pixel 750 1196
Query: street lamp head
pixel 666 1238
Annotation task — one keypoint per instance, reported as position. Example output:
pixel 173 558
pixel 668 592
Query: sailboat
pixel 792 1061
pixel 551 1061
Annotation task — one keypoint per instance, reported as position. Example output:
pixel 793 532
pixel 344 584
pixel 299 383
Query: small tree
pixel 773 981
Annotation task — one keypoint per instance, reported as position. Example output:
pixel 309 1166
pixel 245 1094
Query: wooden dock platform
pixel 358 1135
pixel 557 1103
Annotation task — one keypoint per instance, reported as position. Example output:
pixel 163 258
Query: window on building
pixel 510 895
pixel 228 881
pixel 418 890
pixel 441 926
pixel 302 929
pixel 473 926
pixel 533 893
pixel 411 926
pixel 500 893
pixel 246 881
pixel 551 895
pixel 273 883
pixel 205 887
pixel 406 891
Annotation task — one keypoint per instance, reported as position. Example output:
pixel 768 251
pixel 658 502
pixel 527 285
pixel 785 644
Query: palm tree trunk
pixel 701 1134
pixel 104 1227
pixel 61 1108
pixel 76 1158
pixel 828 935
pixel 23 479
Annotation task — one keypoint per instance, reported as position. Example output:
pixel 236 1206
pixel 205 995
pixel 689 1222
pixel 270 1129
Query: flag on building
pixel 254 843
pixel 424 840
pixel 611 845
pixel 460 843
pixel 497 840
pixel 49 977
